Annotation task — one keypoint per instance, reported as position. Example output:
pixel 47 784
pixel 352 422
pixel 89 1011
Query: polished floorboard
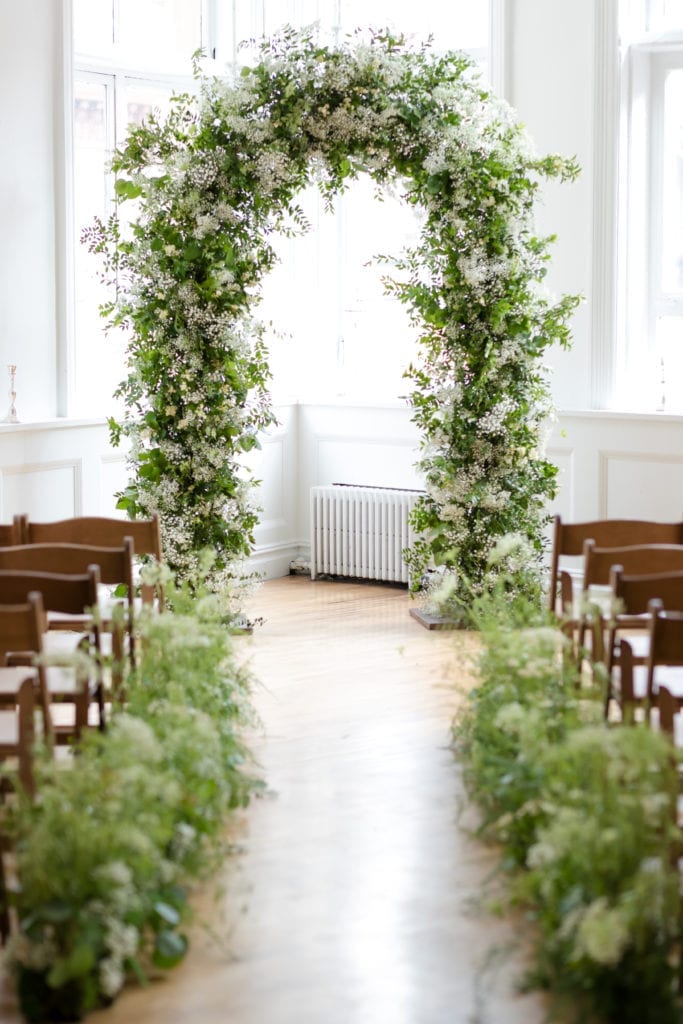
pixel 354 897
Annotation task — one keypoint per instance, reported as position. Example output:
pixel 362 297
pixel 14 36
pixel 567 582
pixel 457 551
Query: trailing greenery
pixel 213 182
pixel 108 849
pixel 584 813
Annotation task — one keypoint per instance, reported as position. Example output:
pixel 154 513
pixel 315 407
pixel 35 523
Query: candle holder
pixel 11 416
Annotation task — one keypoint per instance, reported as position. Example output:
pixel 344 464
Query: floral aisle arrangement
pixel 221 174
pixel 584 814
pixel 108 851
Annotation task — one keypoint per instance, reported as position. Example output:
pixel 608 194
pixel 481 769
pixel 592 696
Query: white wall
pixel 58 469
pixel 550 80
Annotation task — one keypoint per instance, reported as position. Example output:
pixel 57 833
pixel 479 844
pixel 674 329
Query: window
pixel 128 59
pixel 651 206
pixel 335 332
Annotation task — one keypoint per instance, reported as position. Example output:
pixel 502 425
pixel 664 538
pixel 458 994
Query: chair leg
pixel 5 924
pixel 25 710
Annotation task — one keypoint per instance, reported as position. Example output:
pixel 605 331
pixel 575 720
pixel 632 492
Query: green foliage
pixel 221 173
pixel 107 850
pixel 585 815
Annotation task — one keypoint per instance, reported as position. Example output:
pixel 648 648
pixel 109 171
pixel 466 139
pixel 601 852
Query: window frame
pixel 115 73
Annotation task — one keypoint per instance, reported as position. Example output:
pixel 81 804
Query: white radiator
pixel 361 531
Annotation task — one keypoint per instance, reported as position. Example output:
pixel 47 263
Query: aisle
pixel 352 893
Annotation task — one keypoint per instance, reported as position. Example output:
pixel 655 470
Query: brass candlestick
pixel 11 416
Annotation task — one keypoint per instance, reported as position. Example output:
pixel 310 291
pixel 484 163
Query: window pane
pixel 669 369
pixel 673 13
pixel 664 15
pixel 672 184
pixel 301 301
pixel 144 97
pixel 378 340
pixel 343 335
pixel 93 22
pixel 98 360
pixel 160 33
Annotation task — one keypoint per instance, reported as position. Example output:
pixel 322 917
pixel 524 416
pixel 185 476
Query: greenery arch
pixel 220 175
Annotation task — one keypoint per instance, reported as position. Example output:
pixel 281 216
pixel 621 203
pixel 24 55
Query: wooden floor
pixel 351 903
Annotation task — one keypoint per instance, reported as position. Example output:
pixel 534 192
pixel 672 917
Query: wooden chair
pixel 639 559
pixel 20 688
pixel 21 630
pixel 640 683
pixel 75 596
pixel 631 594
pixel 115 569
pixel 104 532
pixel 569 538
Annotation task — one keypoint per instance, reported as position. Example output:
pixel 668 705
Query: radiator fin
pixel 361 532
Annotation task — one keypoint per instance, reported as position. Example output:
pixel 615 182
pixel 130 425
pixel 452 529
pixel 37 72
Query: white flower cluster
pixel 121 941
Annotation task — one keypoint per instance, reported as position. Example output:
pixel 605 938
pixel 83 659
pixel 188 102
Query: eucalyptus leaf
pixel 169 949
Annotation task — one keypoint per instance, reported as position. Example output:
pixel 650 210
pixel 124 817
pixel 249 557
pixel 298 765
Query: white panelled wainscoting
pixel 57 469
pixel 611 465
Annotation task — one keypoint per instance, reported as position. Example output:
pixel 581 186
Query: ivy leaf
pixel 127 189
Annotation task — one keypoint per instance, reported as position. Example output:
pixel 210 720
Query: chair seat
pixel 63 681
pixel 597 595
pixel 63 719
pixel 670 676
pixel 640 645
pixel 64 642
pixel 62 620
pixel 9 732
pixel 11 678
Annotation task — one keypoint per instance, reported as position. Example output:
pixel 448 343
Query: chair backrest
pixel 635 560
pixel 72 595
pixel 12 533
pixel 102 532
pixel 21 630
pixel 22 625
pixel 634 592
pixel 569 538
pixel 666 643
pixel 666 636
pixel 115 564
pixel 98 531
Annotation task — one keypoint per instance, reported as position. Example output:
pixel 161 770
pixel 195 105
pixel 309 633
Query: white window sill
pixel 58 423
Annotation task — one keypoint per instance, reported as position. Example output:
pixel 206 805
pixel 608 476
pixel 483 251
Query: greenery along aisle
pixel 220 176
pixel 583 813
pixel 108 854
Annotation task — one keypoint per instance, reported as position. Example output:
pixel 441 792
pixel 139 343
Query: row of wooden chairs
pixel 568 545
pixel 98 531
pixel 68 562
pixel 629 604
pixel 52 577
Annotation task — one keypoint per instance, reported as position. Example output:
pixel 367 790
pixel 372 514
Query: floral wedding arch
pixel 219 177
